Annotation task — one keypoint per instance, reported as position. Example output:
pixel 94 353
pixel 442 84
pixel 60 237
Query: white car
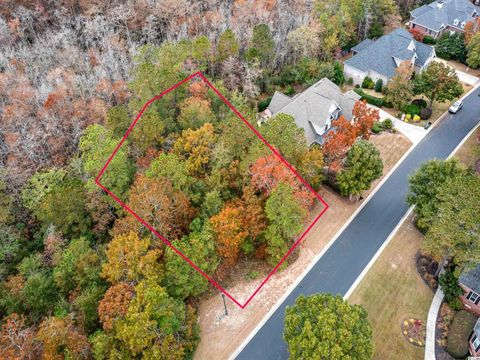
pixel 457 105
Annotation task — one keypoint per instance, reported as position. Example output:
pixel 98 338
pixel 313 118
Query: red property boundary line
pixel 213 282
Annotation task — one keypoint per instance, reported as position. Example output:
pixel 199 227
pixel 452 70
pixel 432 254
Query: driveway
pixel 413 133
pixel 343 262
pixel 463 76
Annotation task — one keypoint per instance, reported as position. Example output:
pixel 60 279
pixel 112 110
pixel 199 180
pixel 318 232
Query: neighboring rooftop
pixel 311 109
pixel 471 278
pixel 382 55
pixel 442 13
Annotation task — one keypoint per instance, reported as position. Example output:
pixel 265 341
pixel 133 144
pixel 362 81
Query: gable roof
pixel 380 55
pixel 471 278
pixel 442 13
pixel 311 108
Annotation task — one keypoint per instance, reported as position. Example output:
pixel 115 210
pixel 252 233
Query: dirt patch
pixel 427 268
pixel 220 334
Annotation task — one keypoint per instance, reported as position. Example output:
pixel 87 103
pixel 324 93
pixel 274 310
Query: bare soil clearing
pixel 221 335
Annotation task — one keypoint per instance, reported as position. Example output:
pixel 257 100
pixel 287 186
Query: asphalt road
pixel 343 262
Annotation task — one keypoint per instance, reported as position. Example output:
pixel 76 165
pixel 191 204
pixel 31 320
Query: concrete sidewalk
pixel 432 324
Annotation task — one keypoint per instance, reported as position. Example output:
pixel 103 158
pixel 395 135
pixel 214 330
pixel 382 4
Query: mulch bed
pixel 444 318
pixel 426 268
pixel 414 331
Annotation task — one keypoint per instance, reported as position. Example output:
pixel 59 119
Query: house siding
pixel 467 304
pixel 354 73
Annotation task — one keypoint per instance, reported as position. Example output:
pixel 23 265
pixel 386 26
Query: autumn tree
pixel 96 146
pixel 195 146
pixel 324 326
pixel 167 210
pixel 60 338
pixel 364 117
pixel 151 313
pixel 194 113
pixel 181 279
pixel 130 259
pixel 268 171
pixel 363 165
pixel 114 304
pixel 285 216
pixel 438 82
pixel 311 167
pixel 400 87
pixel 17 340
pixel 229 233
pixel 304 42
pixel 455 230
pixel 338 141
pixel 473 57
pixel 424 188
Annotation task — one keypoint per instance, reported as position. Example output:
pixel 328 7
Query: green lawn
pixel 392 291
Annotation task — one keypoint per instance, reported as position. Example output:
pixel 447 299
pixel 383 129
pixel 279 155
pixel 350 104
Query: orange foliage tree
pixel 267 172
pixel 364 117
pixel 230 233
pixel 17 341
pixel 115 303
pixel 471 28
pixel 167 210
pixel 338 141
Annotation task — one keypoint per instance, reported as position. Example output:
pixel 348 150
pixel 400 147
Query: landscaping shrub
pixel 350 81
pixel 377 127
pixel 388 124
pixel 379 85
pixel 357 86
pixel 421 103
pixel 290 90
pixel 449 283
pixel 263 104
pixel 425 113
pixel 252 275
pixel 460 330
pixel 429 40
pixel 412 109
pixel 416 118
pixel 369 98
pixel 368 83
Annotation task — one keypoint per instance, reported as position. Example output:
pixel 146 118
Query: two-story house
pixel 380 58
pixel 443 15
pixel 315 108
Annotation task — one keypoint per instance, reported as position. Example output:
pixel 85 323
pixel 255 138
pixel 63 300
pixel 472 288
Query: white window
pixel 455 22
pixel 473 297
pixel 463 24
pixel 476 342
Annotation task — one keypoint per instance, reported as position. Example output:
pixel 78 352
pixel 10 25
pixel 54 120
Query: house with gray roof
pixel 443 15
pixel 469 281
pixel 315 108
pixel 380 58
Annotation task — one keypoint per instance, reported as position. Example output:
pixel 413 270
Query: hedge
pixel 370 99
pixel 460 330
pixel 368 83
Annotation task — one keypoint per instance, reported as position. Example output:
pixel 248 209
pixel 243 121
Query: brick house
pixel 469 281
pixel 474 341
pixel 443 15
